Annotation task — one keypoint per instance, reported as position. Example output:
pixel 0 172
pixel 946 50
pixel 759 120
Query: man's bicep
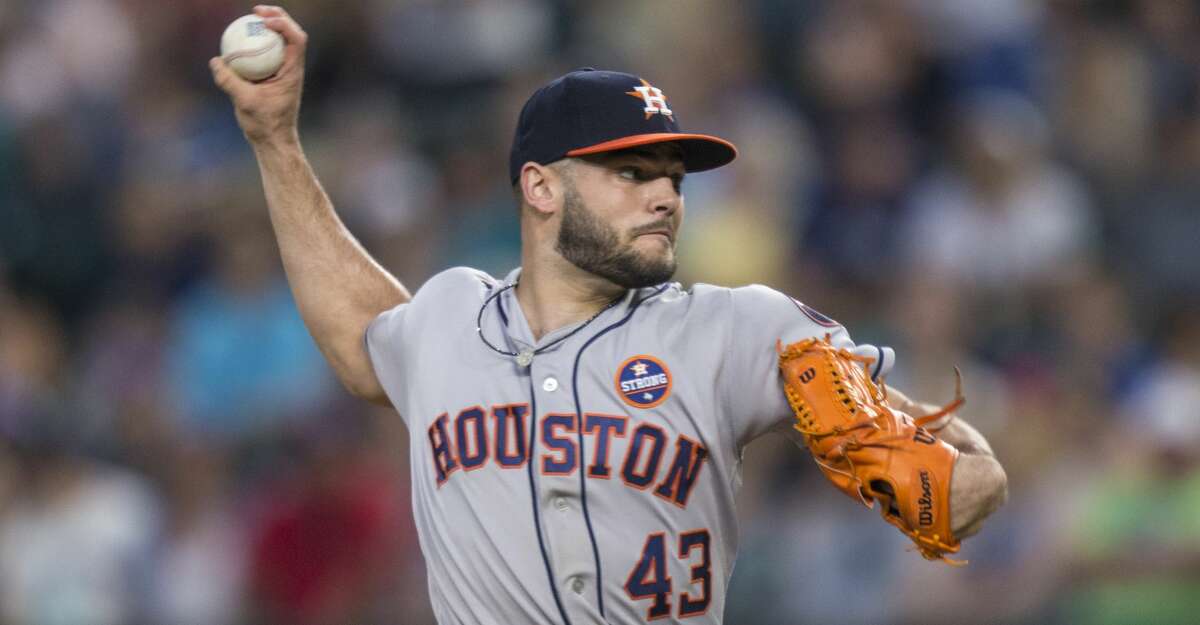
pixel 763 319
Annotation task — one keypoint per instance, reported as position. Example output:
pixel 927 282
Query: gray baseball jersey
pixel 596 484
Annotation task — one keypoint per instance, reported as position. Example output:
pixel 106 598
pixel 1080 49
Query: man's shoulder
pixel 456 282
pixel 701 299
pixel 751 303
pixel 703 294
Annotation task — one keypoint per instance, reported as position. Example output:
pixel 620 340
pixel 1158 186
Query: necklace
pixel 525 356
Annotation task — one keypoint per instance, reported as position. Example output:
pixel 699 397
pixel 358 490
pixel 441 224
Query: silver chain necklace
pixel 525 356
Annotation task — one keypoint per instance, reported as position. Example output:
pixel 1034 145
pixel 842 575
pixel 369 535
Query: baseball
pixel 251 49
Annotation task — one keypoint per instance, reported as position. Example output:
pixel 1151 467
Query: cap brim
pixel 700 152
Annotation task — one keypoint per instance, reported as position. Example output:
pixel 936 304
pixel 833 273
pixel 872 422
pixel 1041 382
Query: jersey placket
pixel 555 462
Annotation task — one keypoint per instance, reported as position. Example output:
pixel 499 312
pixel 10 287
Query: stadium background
pixel 1004 185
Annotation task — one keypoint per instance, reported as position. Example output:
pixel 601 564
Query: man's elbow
pixel 357 375
pixel 983 489
pixel 369 390
pixel 995 485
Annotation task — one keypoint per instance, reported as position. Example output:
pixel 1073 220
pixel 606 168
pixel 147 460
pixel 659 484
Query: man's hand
pixel 268 111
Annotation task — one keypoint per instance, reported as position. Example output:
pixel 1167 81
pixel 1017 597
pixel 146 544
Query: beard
pixel 595 247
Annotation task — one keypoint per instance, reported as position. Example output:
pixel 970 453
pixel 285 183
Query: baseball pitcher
pixel 577 425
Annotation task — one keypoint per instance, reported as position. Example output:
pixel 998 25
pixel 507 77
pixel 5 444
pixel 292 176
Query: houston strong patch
pixel 643 381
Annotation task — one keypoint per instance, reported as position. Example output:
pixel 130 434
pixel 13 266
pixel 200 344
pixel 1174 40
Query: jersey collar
pixel 516 327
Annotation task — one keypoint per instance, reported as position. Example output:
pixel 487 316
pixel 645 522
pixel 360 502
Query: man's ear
pixel 541 187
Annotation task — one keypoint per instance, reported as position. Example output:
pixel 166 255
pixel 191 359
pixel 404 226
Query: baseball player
pixel 577 425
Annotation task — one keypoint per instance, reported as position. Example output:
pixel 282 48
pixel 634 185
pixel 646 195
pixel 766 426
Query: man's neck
pixel 553 294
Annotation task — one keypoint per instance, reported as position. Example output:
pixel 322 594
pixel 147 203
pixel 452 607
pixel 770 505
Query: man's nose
pixel 663 196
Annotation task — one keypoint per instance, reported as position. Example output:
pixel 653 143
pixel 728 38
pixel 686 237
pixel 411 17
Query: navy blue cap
pixel 590 111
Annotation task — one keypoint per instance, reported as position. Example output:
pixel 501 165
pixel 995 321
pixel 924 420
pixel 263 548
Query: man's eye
pixel 630 173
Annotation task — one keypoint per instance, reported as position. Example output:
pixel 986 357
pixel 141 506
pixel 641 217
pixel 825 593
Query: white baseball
pixel 251 49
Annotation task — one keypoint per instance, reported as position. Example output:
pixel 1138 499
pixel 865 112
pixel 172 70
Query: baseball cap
pixel 590 111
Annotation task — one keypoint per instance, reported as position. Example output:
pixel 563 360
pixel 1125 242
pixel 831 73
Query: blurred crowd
pixel 1008 186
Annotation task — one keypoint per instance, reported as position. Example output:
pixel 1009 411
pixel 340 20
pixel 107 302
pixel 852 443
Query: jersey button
pixel 577 585
pixel 550 385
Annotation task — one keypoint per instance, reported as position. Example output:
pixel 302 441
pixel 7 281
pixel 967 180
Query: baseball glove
pixel 868 449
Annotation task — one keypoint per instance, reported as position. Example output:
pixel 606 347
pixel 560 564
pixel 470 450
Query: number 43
pixel 649 577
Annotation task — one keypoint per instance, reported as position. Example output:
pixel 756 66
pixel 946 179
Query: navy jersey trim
pixel 500 307
pixel 537 522
pixel 878 364
pixel 587 517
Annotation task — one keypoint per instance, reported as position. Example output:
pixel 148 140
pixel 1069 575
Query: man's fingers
pixel 296 38
pixel 286 26
pixel 269 10
pixel 226 78
pixel 278 20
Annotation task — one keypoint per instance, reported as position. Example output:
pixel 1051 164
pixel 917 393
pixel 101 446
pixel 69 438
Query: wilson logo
pixel 925 503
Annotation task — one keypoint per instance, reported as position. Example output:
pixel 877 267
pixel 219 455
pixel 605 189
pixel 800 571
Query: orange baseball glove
pixel 869 450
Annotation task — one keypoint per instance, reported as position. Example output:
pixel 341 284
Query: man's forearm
pixel 965 438
pixel 338 287
pixel 950 428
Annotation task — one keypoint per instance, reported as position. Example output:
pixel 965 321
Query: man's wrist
pixel 274 142
pixel 940 423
